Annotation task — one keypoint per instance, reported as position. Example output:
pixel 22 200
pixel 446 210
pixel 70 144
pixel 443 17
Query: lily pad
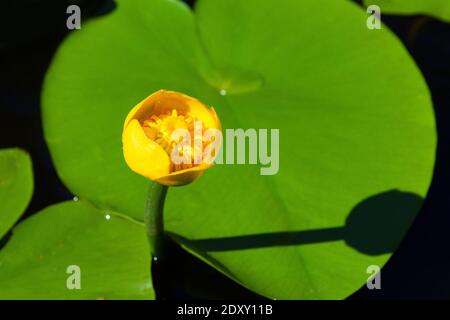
pixel 16 186
pixel 108 253
pixel 439 9
pixel 355 120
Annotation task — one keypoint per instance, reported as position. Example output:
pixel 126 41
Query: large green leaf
pixel 112 255
pixel 355 118
pixel 436 8
pixel 16 186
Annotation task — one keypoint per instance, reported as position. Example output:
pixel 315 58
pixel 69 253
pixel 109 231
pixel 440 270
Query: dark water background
pixel 30 32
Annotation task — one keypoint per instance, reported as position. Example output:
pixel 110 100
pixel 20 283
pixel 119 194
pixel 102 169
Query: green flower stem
pixel 153 218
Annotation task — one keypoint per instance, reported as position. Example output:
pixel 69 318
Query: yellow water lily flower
pixel 149 140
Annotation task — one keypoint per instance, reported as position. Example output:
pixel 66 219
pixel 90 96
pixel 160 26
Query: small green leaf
pixel 16 186
pixel 439 9
pixel 46 250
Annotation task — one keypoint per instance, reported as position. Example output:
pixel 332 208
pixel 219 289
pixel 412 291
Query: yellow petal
pixel 143 155
pixel 144 108
pixel 164 100
pixel 200 112
pixel 183 177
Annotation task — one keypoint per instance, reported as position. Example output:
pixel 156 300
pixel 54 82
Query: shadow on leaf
pixel 374 226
